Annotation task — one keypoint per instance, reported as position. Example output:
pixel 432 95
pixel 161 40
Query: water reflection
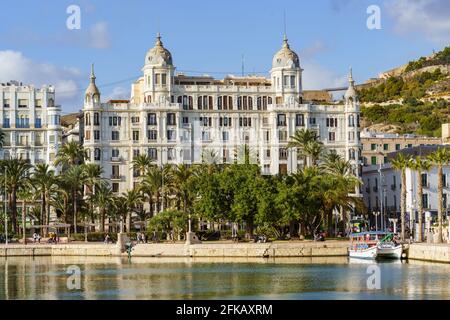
pixel 205 278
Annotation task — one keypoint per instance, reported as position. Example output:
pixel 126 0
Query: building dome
pixel 158 55
pixel 351 91
pixel 285 57
pixel 92 89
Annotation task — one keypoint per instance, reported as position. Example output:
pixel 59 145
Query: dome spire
pixel 350 77
pixel 351 91
pixel 92 74
pixel 92 88
pixel 158 40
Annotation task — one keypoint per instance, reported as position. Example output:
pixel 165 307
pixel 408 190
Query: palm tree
pixel 307 144
pixel 93 176
pixel 142 163
pixel 70 154
pixel 2 138
pixel 420 165
pixel 182 177
pixel 61 198
pixel 93 173
pixel 17 175
pixel 401 163
pixel 44 178
pixel 118 210
pixel 25 195
pixel 342 170
pixel 152 184
pixel 75 178
pixel 133 199
pixel 103 198
pixel 440 158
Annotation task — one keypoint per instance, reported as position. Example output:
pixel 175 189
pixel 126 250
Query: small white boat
pixel 363 245
pixel 360 253
pixel 387 248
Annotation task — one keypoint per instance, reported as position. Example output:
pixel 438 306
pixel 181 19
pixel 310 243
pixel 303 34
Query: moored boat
pixel 388 248
pixel 363 245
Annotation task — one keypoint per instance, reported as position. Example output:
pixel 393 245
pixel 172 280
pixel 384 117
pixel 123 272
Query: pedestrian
pixel 34 237
pixel 143 238
pixel 106 241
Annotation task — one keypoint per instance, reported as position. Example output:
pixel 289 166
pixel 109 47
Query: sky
pixel 210 37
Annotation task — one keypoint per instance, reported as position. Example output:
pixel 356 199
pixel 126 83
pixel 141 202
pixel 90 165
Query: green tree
pixel 401 162
pixel 142 163
pixel 440 158
pixel 420 165
pixel 17 176
pixel 75 178
pixel 133 199
pixel 70 154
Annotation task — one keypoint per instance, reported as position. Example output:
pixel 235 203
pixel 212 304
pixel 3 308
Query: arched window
pixel 250 103
pixel 219 103
pixel 351 121
pixel 230 103
pixel 199 103
pixel 258 103
pixel 239 103
pixel 87 119
pixel 191 103
pixel 180 99
pixel 351 154
pixel 211 104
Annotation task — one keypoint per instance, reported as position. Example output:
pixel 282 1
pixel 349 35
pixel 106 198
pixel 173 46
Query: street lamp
pixel 394 221
pixel 6 212
pixel 376 214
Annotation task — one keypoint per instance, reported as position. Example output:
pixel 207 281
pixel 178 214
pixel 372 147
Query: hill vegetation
pixel 440 58
pixel 411 101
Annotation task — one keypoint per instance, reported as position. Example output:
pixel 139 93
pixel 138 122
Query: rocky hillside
pixel 416 100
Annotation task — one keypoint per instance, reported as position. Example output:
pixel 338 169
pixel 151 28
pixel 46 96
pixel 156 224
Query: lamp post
pixel 376 214
pixel 6 212
pixel 394 221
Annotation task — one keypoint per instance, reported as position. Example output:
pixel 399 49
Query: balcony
pixel 116 159
pixel 116 177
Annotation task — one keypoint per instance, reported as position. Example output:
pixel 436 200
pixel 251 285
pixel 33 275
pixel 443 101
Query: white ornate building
pixel 174 118
pixel 30 121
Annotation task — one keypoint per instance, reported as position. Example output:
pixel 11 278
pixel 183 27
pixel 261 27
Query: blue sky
pixel 209 37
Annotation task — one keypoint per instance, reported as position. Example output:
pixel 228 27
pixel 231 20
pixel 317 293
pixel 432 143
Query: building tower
pixel 286 75
pixel 158 74
pixel 353 144
pixel 92 119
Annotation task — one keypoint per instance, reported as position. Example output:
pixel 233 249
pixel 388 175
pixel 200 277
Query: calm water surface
pixel 162 278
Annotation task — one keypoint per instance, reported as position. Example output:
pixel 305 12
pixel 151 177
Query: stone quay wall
pixel 253 250
pixel 429 252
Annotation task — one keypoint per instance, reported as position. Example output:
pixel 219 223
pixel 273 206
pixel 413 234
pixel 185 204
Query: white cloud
pixel 317 77
pixel 99 36
pixel 430 18
pixel 15 66
pixel 119 93
pixel 312 50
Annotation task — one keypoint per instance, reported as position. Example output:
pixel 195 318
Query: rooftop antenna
pixel 284 23
pixel 243 65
